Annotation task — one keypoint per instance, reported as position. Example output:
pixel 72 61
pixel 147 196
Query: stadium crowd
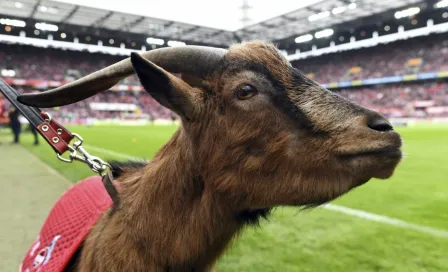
pixel 399 58
pixel 30 62
pixel 392 100
pixel 394 59
pixel 83 110
pixel 402 100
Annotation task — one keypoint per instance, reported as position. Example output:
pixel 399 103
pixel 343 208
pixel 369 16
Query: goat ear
pixel 169 90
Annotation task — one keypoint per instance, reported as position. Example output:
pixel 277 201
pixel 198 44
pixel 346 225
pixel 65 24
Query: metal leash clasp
pixel 78 153
pixel 97 165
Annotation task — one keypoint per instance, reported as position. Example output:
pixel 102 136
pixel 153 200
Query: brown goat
pixel 255 134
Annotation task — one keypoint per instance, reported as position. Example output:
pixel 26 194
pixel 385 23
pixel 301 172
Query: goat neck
pixel 169 218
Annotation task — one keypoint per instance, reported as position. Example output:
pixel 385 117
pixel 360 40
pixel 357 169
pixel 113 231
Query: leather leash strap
pixel 59 138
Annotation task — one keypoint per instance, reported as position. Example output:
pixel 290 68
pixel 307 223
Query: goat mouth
pixel 389 152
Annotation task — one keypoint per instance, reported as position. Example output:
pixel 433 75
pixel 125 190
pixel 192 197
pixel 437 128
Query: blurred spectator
pixel 14 123
pixel 34 132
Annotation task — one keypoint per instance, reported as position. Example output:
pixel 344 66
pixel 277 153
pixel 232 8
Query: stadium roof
pixel 224 15
pixel 297 22
pixel 293 21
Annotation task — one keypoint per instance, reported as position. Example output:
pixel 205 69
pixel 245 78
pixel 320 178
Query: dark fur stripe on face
pixel 279 97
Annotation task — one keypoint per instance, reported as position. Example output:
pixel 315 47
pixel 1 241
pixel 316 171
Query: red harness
pixel 66 226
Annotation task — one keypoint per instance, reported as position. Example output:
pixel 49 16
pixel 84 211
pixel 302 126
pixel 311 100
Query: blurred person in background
pixel 173 117
pixel 34 132
pixel 2 106
pixel 14 122
pixel 3 113
pixel 151 119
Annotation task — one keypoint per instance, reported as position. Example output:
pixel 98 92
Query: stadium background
pixel 390 56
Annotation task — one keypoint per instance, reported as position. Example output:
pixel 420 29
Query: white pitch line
pixel 387 220
pixel 337 208
pixel 111 153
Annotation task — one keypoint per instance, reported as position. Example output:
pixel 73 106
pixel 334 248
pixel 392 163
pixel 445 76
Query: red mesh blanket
pixel 67 226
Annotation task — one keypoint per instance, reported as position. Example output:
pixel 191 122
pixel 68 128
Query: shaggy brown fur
pixel 291 143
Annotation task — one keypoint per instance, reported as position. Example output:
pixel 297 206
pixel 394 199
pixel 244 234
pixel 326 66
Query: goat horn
pixel 198 61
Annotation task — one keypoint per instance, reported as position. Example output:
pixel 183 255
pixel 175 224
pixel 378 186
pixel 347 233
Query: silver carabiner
pixel 78 153
pixel 70 159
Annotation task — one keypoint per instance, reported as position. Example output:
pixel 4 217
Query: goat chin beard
pixel 325 189
pixel 336 189
pixel 328 190
pixel 383 173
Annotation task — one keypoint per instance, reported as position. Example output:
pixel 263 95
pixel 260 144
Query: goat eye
pixel 245 92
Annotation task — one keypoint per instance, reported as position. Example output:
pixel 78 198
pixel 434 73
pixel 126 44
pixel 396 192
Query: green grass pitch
pixel 321 239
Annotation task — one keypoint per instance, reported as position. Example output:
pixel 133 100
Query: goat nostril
pixel 379 124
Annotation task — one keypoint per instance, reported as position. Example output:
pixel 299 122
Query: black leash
pixel 59 138
pixel 30 113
